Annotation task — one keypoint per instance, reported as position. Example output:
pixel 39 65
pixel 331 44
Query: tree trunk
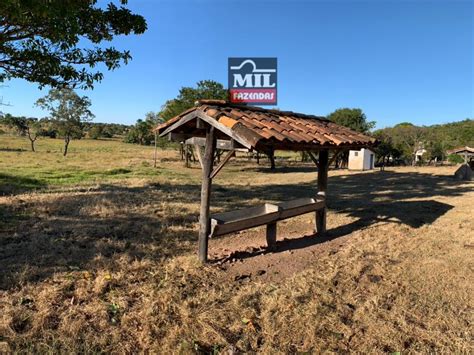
pixel 272 162
pixel 32 141
pixel 271 156
pixel 66 145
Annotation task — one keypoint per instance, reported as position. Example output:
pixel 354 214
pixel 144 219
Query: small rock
pixel 375 278
pixel 243 277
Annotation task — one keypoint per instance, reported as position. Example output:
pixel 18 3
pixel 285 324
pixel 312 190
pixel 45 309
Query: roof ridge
pixel 215 102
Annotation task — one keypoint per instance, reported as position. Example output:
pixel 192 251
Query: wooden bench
pixel 267 214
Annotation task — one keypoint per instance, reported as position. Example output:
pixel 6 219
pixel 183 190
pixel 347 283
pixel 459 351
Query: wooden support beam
pixel 185 119
pixel 204 220
pixel 271 235
pixel 222 144
pixel 156 147
pixel 198 153
pixel 322 189
pixel 313 158
pixel 334 157
pixel 200 124
pixel 177 137
pixel 218 168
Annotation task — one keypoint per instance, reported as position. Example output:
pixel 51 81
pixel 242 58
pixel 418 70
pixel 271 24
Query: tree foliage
pixel 205 89
pixel 142 132
pixel 353 118
pixel 405 139
pixel 56 42
pixel 68 112
pixel 26 126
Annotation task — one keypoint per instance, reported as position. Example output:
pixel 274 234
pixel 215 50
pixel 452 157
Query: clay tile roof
pixel 257 128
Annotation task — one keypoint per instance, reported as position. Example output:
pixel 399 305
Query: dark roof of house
pixel 259 128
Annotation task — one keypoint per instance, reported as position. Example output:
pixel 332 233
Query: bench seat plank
pixel 234 221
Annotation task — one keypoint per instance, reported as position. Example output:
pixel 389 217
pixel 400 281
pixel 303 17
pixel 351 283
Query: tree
pixel 56 42
pixel 29 127
pixel 205 89
pixel 408 138
pixel 68 111
pixel 385 149
pixel 353 118
pixel 142 132
pixel 96 131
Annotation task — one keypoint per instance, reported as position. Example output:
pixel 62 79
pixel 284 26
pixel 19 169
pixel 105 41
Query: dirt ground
pixel 111 266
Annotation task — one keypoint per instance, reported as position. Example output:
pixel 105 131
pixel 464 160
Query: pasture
pixel 98 254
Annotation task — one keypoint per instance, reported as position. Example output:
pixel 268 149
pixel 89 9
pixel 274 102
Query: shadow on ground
pixel 158 221
pixel 13 184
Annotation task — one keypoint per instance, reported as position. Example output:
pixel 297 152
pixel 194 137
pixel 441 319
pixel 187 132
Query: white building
pixel 419 154
pixel 363 159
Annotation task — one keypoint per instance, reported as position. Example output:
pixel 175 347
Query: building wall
pixel 361 160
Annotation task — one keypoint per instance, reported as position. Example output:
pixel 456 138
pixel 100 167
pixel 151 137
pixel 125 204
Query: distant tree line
pixel 402 141
pixel 69 118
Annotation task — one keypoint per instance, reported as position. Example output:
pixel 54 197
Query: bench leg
pixel 321 221
pixel 271 235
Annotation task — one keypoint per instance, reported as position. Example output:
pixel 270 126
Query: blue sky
pixel 397 60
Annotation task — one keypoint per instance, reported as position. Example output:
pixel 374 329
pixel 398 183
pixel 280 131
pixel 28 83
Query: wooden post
pixel 271 235
pixel 186 156
pixel 204 221
pixel 154 155
pixel 322 188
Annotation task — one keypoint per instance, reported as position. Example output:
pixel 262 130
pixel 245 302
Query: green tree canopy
pixel 205 89
pixel 405 139
pixel 353 118
pixel 56 42
pixel 142 131
pixel 68 111
pixel 25 126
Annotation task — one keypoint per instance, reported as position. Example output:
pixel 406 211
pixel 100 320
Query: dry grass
pixel 107 264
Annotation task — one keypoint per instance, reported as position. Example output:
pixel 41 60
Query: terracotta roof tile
pixel 257 127
pixel 227 121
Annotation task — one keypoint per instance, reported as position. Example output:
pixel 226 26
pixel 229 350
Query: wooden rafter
pixel 218 168
pixel 313 158
pixel 198 153
pixel 334 157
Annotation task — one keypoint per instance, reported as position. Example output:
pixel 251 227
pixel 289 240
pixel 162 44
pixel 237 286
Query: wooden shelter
pixel 466 152
pixel 218 124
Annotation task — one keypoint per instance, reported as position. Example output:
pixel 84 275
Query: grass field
pixel 97 254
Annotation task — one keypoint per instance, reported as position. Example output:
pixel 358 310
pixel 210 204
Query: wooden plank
pixel 177 137
pixel 218 168
pixel 204 221
pixel 183 120
pixel 198 153
pixel 300 206
pixel 223 129
pixel 322 189
pixel 271 235
pixel 234 221
pixel 222 144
